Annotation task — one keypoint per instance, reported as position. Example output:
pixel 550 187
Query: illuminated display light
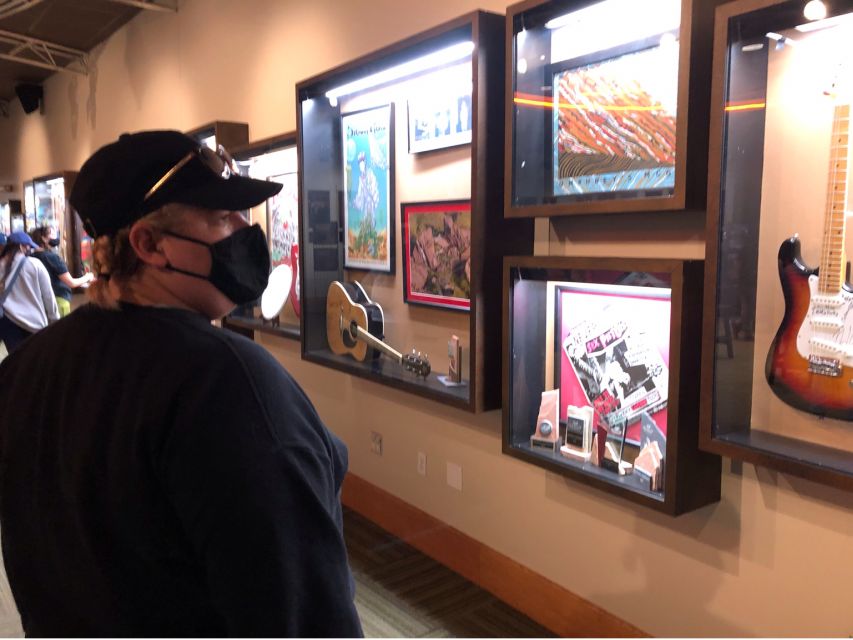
pixel 436 59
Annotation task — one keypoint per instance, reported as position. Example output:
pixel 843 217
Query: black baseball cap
pixel 114 186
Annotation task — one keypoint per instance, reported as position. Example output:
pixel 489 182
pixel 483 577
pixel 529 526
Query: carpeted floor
pixel 400 592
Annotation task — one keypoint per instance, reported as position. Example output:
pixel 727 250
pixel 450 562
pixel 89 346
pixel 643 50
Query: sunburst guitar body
pixel 810 362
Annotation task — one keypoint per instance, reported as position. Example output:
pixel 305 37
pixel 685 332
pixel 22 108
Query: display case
pixel 277 311
pixel 29 208
pixel 778 350
pixel 402 232
pixel 10 211
pixel 17 220
pixel 47 198
pixel 601 361
pixel 606 105
pixel 228 134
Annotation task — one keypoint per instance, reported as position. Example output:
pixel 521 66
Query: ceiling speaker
pixel 30 95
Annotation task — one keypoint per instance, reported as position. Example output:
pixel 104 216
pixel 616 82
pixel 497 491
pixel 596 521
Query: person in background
pixel 60 279
pixel 2 240
pixel 28 300
pixel 190 489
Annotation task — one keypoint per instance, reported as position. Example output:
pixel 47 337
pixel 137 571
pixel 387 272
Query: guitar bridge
pixel 825 366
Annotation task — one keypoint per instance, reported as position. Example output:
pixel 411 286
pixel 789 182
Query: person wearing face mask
pixel 27 303
pixel 60 279
pixel 190 489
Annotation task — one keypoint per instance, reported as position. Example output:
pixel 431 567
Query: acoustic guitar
pixel 810 362
pixel 355 325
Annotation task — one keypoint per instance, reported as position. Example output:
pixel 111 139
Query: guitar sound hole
pixel 350 335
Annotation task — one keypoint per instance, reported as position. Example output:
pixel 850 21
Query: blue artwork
pixel 368 182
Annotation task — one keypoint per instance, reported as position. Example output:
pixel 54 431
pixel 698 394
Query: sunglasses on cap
pixel 219 162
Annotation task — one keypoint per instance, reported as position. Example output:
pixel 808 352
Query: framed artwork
pixel 614 121
pixel 437 253
pixel 368 169
pixel 612 353
pixel 283 219
pixel 439 120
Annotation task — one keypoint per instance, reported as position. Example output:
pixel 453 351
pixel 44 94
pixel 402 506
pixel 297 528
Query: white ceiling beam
pixel 151 5
pixel 11 7
pixel 41 53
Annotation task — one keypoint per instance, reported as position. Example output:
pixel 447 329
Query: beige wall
pixel 772 558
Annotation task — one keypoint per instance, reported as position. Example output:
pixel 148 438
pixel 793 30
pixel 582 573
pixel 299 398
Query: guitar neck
pixel 832 263
pixel 378 344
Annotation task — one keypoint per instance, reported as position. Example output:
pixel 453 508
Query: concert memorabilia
pixel 579 425
pixel 355 325
pixel 614 350
pixel 777 278
pixel 440 119
pixel 614 123
pixel 454 355
pixel 437 253
pixel 368 170
pixel 547 432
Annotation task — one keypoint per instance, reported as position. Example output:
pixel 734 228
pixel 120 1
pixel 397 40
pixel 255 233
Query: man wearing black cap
pixel 181 483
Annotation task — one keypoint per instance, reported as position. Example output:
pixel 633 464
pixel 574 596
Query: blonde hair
pixel 115 260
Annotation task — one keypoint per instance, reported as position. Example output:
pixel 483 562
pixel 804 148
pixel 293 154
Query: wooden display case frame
pixel 235 323
pixel 691 476
pixel 694 67
pixel 815 462
pixel 492 235
pixel 72 227
pixel 230 135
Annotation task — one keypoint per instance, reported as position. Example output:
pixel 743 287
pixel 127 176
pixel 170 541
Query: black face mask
pixel 53 242
pixel 240 264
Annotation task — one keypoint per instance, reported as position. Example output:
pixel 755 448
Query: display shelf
pixel 600 362
pixel 606 106
pixel 777 379
pixel 404 148
pixel 273 159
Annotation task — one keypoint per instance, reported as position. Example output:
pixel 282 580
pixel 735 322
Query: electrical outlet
pixel 376 443
pixel 454 475
pixel 421 463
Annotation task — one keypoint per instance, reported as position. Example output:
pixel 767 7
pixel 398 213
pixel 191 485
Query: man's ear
pixel 146 242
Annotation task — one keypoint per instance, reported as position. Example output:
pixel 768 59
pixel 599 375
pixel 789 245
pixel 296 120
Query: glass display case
pixel 47 198
pixel 606 105
pixel 277 311
pixel 228 134
pixel 601 358
pixel 402 231
pixel 778 351
pixel 29 207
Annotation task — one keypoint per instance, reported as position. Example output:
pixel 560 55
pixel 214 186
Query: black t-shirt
pixel 162 477
pixel 55 267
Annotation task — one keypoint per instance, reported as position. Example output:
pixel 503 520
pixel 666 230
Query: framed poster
pixel 613 352
pixel 283 219
pixel 437 253
pixel 368 170
pixel 440 119
pixel 614 121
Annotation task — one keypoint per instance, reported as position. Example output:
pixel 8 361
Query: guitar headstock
pixel 417 363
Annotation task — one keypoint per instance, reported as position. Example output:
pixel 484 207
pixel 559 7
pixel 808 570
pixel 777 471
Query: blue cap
pixel 21 237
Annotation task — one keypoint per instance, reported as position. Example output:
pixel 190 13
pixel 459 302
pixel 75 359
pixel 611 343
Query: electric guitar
pixel 810 363
pixel 355 325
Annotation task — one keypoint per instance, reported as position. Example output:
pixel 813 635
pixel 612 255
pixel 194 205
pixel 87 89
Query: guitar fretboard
pixel 833 261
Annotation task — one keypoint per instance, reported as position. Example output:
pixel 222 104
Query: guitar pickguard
pixel 825 338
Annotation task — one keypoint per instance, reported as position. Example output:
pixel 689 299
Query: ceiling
pixel 54 35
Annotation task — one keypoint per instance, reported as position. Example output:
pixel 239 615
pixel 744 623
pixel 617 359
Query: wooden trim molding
pixel 546 602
